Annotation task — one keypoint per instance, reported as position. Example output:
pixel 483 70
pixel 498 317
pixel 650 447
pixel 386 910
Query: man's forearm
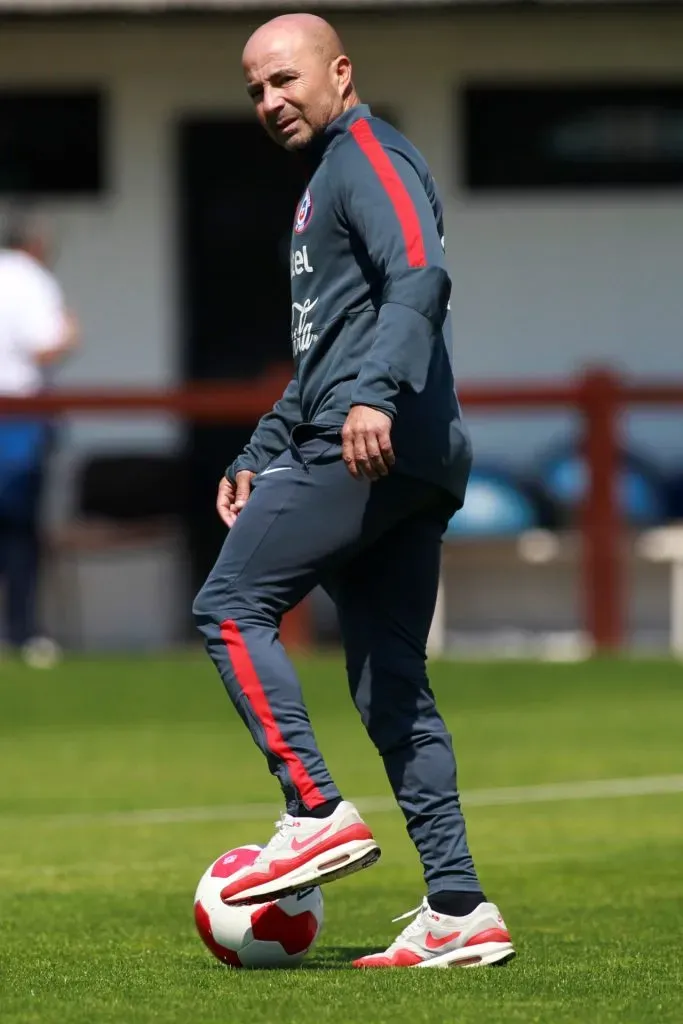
pixel 68 340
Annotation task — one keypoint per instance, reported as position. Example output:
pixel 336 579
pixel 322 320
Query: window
pixel 579 136
pixel 51 142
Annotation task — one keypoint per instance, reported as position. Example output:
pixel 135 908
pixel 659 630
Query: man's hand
pixel 233 497
pixel 366 443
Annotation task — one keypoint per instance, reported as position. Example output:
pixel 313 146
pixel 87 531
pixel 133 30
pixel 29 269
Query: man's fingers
pixel 243 489
pixel 375 456
pixel 232 497
pixel 386 449
pixel 366 443
pixel 379 454
pixel 362 456
pixel 348 452
pixel 367 455
pixel 229 518
pixel 225 497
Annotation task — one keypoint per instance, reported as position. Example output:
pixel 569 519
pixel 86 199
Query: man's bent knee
pixel 216 604
pixel 201 608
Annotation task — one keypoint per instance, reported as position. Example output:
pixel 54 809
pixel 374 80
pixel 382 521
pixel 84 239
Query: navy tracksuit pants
pixel 375 547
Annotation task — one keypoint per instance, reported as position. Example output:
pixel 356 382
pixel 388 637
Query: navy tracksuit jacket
pixel 370 326
pixel 371 323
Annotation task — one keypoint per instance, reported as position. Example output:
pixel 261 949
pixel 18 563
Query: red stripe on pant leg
pixel 250 684
pixel 403 205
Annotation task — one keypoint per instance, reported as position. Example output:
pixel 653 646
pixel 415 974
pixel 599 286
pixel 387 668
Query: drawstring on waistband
pixel 296 451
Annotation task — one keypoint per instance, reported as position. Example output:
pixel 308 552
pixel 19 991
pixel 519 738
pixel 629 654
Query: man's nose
pixel 272 101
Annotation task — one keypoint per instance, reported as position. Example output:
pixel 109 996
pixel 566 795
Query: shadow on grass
pixel 323 960
pixel 334 959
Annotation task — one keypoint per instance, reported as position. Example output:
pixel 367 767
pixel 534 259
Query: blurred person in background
pixel 36 332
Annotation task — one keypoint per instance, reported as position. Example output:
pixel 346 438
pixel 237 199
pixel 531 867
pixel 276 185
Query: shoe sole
pixel 488 954
pixel 326 867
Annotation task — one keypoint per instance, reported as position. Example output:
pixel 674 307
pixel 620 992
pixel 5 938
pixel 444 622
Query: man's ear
pixel 343 74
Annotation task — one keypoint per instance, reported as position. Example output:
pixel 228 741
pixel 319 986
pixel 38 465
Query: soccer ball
pixel 276 934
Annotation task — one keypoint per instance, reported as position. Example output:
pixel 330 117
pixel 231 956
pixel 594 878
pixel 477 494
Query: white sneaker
pixel 40 652
pixel 305 852
pixel 437 940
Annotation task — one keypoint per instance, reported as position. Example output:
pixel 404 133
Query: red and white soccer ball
pixel 277 934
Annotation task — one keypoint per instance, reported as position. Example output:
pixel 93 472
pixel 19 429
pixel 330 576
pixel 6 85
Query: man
pixel 350 482
pixel 35 332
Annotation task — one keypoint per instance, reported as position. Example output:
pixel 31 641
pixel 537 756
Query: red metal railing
pixel 599 395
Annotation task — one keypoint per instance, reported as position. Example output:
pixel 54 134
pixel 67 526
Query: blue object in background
pixel 641 491
pixel 495 506
pixel 23 447
pixel 22 442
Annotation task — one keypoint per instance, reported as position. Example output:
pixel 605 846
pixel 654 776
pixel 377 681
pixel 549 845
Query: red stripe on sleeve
pixel 251 686
pixel 395 189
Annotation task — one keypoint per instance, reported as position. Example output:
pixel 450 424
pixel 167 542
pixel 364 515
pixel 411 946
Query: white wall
pixel 541 286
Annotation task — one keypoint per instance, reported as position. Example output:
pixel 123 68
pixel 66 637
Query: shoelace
pixel 281 837
pixel 415 926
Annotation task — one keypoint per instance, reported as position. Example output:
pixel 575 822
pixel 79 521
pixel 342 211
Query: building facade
pixel 543 282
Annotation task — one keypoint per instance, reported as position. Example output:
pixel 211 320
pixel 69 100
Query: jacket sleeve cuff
pixel 376 387
pixel 240 463
pixel 374 402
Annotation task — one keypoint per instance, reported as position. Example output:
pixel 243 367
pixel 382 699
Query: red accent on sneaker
pixel 401 958
pixel 301 844
pixel 280 868
pixel 490 935
pixel 432 942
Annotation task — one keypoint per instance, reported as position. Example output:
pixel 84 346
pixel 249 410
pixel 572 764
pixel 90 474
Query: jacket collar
pixel 313 154
pixel 342 123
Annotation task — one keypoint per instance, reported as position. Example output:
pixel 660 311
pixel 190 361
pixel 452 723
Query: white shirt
pixel 31 321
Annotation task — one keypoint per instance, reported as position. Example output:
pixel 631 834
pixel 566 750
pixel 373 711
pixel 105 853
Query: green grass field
pixel 96 894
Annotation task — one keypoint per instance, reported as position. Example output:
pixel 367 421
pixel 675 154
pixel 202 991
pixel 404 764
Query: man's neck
pixel 312 154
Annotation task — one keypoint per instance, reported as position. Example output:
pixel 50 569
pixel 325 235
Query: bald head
pixel 298 77
pixel 309 29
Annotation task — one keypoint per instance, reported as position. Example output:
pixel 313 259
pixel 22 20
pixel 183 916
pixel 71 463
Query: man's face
pixel 296 91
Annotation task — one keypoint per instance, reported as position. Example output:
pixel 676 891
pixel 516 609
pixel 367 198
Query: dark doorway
pixel 237 194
